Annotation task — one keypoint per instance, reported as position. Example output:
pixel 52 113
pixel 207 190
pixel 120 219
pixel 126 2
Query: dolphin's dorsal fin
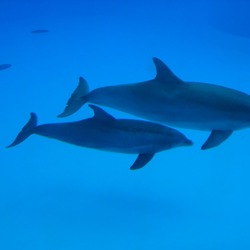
pixel 164 74
pixel 100 114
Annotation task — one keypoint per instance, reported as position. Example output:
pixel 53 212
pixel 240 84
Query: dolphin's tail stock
pixel 26 131
pixel 77 99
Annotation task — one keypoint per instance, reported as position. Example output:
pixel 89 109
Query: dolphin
pixel 104 132
pixel 5 66
pixel 169 100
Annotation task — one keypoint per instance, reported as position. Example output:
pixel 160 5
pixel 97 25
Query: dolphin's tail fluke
pixel 77 99
pixel 26 131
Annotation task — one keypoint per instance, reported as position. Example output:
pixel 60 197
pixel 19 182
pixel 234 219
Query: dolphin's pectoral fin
pixel 216 138
pixel 76 100
pixel 141 161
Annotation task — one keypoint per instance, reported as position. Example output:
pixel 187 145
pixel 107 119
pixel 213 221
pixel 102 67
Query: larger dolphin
pixel 104 132
pixel 170 100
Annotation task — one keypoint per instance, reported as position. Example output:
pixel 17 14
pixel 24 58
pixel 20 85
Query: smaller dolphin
pixel 104 132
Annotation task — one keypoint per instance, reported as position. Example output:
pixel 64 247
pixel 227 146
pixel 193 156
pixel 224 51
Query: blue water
pixel 58 196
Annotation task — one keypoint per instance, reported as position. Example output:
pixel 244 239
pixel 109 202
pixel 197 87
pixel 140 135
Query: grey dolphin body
pixel 167 99
pixel 104 132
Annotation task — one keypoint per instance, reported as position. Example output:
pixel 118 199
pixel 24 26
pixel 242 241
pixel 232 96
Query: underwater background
pixel 57 196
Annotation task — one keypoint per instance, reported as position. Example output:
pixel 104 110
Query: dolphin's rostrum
pixel 104 132
pixel 168 99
